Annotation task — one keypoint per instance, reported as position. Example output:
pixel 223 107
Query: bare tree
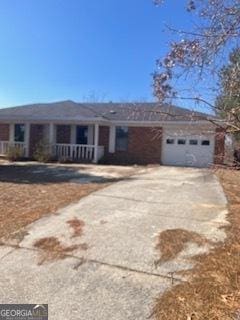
pixel 201 53
pixel 228 101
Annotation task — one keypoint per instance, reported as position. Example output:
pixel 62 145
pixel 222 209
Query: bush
pixel 42 152
pixel 15 153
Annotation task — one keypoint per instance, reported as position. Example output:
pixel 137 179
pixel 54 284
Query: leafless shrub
pixel 15 153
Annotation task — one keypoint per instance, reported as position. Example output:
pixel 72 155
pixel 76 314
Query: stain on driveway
pixel 117 277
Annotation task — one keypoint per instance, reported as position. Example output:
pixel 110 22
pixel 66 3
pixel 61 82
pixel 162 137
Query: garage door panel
pixel 185 149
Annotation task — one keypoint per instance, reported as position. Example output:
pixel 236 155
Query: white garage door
pixel 187 149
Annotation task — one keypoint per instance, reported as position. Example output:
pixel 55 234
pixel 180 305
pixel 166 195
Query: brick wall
pixel 219 151
pixel 36 136
pixel 63 134
pixel 4 132
pixel 144 147
pixel 104 137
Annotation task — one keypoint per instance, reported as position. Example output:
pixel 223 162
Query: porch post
pixel 27 138
pixel 73 133
pixel 96 139
pixel 112 138
pixel 51 134
pixel 11 133
pixel 52 138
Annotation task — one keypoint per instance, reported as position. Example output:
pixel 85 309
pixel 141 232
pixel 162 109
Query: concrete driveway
pixel 112 274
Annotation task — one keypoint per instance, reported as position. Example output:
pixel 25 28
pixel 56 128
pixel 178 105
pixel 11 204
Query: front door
pixel 82 135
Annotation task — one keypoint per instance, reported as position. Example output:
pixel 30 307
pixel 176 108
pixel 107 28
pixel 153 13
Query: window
pixel 82 135
pixel 205 142
pixel 193 142
pixel 19 132
pixel 181 141
pixel 121 138
pixel 170 141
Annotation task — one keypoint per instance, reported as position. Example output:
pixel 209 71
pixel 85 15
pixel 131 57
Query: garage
pixel 188 148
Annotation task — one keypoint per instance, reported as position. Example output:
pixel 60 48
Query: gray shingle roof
pixel 72 111
pixel 65 110
pixel 145 112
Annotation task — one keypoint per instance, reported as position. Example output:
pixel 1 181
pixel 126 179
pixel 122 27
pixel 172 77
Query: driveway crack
pixel 82 260
pixel 124 268
pixel 8 253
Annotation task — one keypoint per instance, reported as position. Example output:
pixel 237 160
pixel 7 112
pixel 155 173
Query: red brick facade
pixel 144 143
pixel 104 137
pixel 63 134
pixel 36 136
pixel 144 147
pixel 219 151
pixel 4 132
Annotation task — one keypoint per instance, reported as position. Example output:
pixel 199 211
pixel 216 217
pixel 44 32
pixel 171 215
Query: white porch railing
pixel 75 152
pixel 6 145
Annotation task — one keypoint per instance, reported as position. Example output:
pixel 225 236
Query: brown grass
pixel 52 249
pixel 22 203
pixel 77 226
pixel 171 242
pixel 213 293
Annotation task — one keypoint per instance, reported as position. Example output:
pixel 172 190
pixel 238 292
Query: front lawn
pixel 28 192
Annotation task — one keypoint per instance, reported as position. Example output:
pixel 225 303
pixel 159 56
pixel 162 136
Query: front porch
pixel 77 152
pixel 65 142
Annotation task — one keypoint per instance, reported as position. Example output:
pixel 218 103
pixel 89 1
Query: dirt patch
pixel 213 293
pixel 77 226
pixel 52 249
pixel 27 194
pixel 171 242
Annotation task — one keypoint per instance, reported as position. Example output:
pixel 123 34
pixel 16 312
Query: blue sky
pixel 53 50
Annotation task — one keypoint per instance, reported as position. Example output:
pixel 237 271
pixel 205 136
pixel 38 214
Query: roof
pixel 145 112
pixel 65 110
pixel 72 111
